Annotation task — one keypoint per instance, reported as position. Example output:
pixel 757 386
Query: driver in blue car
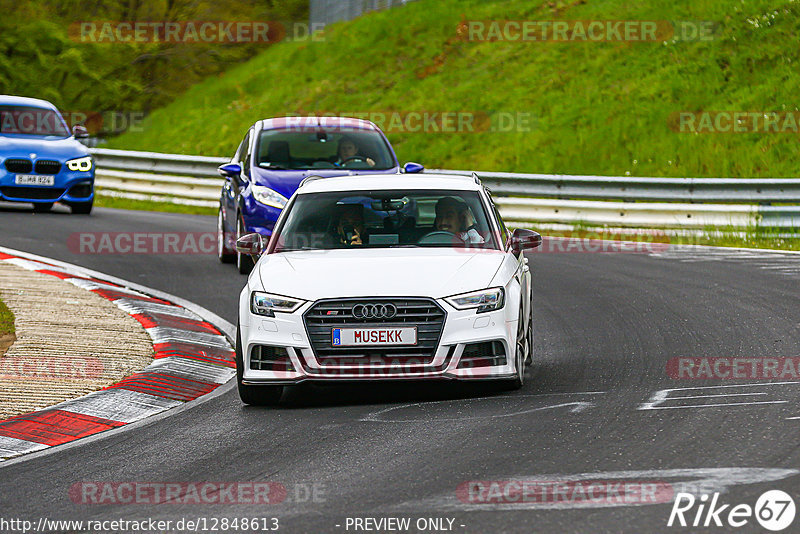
pixel 349 151
pixel 455 217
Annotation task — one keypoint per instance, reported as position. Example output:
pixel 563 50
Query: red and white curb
pixel 193 357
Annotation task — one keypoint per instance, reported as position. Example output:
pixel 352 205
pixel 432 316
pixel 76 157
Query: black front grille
pixel 32 193
pixel 422 313
pixel 47 166
pixel 18 165
pixel 269 358
pixel 81 190
pixel 485 354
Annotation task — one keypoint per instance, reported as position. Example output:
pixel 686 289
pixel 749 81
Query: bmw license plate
pixel 34 179
pixel 358 337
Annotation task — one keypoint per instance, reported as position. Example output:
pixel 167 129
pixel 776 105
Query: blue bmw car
pixel 41 162
pixel 276 155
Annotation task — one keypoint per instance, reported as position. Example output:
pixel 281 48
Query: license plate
pixel 34 179
pixel 359 337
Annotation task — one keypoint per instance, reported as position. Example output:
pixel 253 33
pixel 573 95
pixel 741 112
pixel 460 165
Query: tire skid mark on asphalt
pixel 192 358
pixel 576 407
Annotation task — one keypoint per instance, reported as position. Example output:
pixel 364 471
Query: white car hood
pixel 423 272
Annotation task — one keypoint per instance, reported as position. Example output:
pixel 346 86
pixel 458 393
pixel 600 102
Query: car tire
pixel 223 253
pixel 42 207
pixel 529 359
pixel 520 354
pixel 244 262
pixel 81 208
pixel 253 395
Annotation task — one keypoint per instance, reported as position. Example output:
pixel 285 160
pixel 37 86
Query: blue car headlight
pixel 268 197
pixel 80 164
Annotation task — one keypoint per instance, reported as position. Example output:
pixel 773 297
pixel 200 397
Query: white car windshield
pixel 385 219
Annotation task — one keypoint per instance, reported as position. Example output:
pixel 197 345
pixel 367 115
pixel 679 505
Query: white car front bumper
pixel 456 355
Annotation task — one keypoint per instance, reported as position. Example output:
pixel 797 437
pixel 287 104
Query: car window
pixel 29 120
pixel 385 219
pixel 322 148
pixel 502 225
pixel 242 150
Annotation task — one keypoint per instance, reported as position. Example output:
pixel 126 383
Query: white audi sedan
pixel 399 277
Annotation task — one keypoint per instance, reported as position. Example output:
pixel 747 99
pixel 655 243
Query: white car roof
pixel 366 182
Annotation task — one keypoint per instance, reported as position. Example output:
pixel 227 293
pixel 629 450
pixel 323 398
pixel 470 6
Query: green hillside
pixel 44 54
pixel 597 107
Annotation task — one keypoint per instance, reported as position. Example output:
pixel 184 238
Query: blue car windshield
pixel 323 148
pixel 385 219
pixel 28 120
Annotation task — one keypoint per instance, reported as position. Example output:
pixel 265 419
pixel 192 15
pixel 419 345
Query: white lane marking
pixel 715 405
pixel 119 404
pixel 701 481
pixel 719 395
pixel 192 369
pixel 160 334
pixel 91 285
pixel 11 447
pixel 577 407
pixel 661 397
pixel 134 307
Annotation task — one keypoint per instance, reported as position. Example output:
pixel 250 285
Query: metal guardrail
pixel 325 12
pixel 692 203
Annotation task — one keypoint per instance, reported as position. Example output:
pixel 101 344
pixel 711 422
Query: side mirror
pixel 412 168
pixel 251 244
pixel 523 239
pixel 230 170
pixel 79 131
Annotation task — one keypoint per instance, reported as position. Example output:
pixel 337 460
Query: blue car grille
pixel 48 166
pixel 18 165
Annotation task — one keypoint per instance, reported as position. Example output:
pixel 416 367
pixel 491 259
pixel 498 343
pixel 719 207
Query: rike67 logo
pixel 774 510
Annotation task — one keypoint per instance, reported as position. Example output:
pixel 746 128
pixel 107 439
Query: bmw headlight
pixel 267 304
pixel 268 197
pixel 484 300
pixel 80 164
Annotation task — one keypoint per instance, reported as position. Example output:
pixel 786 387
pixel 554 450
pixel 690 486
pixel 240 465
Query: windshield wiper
pixel 273 167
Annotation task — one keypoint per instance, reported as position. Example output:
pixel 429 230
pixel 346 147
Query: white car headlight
pixel 268 197
pixel 80 164
pixel 267 304
pixel 484 300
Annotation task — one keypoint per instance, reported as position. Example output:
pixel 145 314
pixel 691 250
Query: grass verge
pixel 6 320
pixel 147 205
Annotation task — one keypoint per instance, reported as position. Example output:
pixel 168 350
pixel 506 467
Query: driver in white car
pixel 348 149
pixel 454 216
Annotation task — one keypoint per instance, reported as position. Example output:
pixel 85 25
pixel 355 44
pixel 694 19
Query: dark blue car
pixel 276 155
pixel 41 162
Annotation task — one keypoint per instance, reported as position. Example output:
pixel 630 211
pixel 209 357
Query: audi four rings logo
pixel 374 311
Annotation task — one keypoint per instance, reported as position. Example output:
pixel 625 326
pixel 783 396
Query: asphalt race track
pixel 593 406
